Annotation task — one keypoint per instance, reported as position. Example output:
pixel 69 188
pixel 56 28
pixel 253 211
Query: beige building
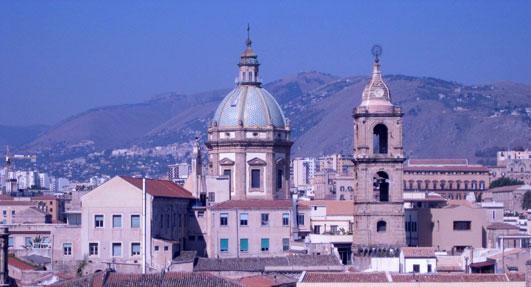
pixel 112 223
pixel 510 196
pixel 341 164
pixel 513 164
pixel 249 138
pixel 254 228
pixel 378 161
pixel 332 223
pixel 451 178
pixel 324 184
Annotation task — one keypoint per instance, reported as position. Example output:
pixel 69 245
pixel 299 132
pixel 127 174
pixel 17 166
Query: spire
pixel 248 64
pixel 248 42
pixel 376 92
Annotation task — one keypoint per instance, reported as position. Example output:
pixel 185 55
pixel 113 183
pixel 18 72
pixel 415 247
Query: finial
pixel 248 42
pixel 376 51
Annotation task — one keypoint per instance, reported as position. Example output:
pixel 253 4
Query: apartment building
pixel 112 223
pixel 254 228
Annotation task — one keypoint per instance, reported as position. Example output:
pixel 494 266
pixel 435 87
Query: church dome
pixel 251 105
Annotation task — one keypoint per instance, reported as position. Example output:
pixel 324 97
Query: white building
pixel 44 180
pixel 418 260
pixel 303 170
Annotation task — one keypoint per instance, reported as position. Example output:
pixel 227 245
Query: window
pixel 200 213
pixel 317 229
pixel 462 225
pixel 156 248
pixel 381 185
pixel 494 214
pixel 285 244
pixel 416 268
pixel 227 172
pixel 11 242
pixel 12 213
pixel 265 244
pixel 380 139
pixel 98 221
pixel 244 217
pixel 224 244
pixel 27 241
pixel 333 229
pixel 429 268
pixel 116 249
pixel 165 248
pixel 255 178
pixel 135 221
pixel 67 249
pixel 116 221
pixel 285 219
pixel 244 244
pixel 265 219
pixel 381 226
pixel 212 197
pixel 4 212
pixel 280 177
pixel 93 249
pixel 300 219
pixel 135 249
pixel 223 219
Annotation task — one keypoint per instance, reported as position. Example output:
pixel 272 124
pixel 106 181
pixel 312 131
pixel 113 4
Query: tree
pixel 526 201
pixel 504 181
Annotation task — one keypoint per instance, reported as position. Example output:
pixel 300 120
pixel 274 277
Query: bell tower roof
pixel 376 95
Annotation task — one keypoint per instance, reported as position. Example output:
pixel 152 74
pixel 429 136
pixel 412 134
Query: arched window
pixel 250 76
pixel 482 185
pixel 381 226
pixel 419 185
pixel 381 185
pixel 458 184
pixel 380 139
pixel 443 184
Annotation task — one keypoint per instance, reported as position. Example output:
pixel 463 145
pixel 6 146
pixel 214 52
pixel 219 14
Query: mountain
pixel 442 119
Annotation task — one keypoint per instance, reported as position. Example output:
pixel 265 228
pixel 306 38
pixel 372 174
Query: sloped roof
pixel 333 207
pixel 256 203
pixel 380 277
pixel 16 202
pixel 419 252
pixel 44 197
pixel 260 263
pixel 505 188
pixel 169 279
pixel 369 277
pixel 160 188
pixel 19 264
pixel 446 168
pixel 459 161
pixel 502 225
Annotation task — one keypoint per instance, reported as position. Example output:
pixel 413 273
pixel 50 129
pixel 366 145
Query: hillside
pixel 442 119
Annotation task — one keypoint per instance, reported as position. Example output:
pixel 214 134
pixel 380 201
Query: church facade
pixel 249 138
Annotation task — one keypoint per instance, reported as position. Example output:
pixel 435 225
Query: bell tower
pixel 378 160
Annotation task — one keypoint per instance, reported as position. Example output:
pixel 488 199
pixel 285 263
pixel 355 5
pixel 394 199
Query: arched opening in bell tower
pixel 380 139
pixel 381 186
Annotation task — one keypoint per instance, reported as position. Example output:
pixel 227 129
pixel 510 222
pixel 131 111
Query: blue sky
pixel 59 58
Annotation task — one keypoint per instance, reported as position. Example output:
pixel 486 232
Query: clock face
pixel 379 92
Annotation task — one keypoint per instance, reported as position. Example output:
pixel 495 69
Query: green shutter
pixel 265 244
pixel 224 244
pixel 244 244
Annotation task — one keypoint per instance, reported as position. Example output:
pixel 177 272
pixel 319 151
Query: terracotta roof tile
pixel 419 252
pixel 446 168
pixel 161 188
pixel 260 263
pixel 505 188
pixel 502 225
pixel 437 162
pixel 315 277
pixel 333 207
pixel 258 203
pixel 44 197
pixel 19 264
pixel 16 202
